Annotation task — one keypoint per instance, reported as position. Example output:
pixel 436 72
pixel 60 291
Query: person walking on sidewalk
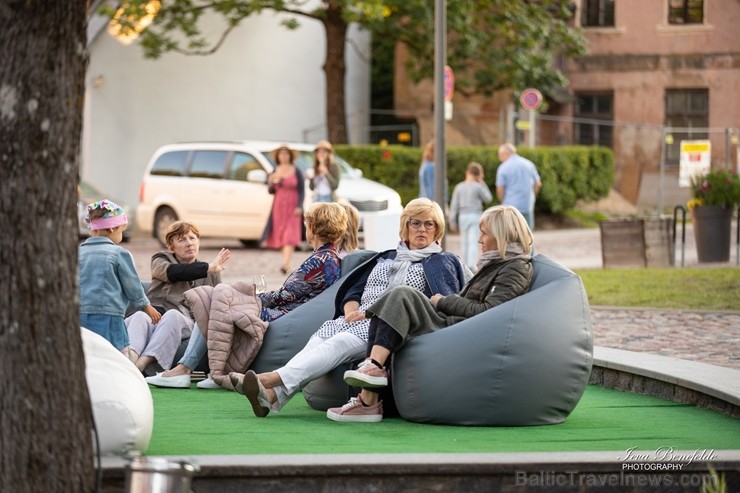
pixel 466 207
pixel 517 182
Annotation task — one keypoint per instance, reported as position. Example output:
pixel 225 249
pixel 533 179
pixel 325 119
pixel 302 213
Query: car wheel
pixel 165 216
pixel 250 243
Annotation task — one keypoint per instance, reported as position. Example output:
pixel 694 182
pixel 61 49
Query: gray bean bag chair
pixel 288 334
pixel 526 362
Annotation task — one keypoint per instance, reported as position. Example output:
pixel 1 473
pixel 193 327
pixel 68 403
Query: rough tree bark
pixel 335 70
pixel 45 412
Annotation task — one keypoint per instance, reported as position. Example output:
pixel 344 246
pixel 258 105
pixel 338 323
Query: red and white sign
pixel 449 82
pixel 531 99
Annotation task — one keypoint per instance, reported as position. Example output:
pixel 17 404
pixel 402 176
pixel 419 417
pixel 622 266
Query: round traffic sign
pixel 531 99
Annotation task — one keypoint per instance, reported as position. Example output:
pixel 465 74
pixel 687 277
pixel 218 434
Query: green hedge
pixel 568 173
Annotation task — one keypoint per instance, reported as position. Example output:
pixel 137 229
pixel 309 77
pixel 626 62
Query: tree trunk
pixel 46 418
pixel 335 69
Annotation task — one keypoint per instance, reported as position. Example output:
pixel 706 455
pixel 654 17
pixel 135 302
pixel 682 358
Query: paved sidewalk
pixel 707 337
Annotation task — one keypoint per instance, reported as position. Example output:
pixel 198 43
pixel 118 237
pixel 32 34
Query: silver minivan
pixel 221 187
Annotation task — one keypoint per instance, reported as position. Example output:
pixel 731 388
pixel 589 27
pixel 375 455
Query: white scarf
pixel 404 258
pixel 513 250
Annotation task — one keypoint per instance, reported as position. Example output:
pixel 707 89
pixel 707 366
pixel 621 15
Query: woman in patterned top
pixel 418 262
pixel 325 224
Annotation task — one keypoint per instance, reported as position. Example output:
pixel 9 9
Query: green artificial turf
pixel 206 422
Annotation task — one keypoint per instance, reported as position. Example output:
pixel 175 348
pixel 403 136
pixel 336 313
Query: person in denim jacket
pixel 108 278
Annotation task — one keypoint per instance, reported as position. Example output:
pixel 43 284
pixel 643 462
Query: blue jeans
pixel 529 216
pixel 468 223
pixel 196 350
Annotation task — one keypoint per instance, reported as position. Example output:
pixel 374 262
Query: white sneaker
pixel 208 383
pixel 175 382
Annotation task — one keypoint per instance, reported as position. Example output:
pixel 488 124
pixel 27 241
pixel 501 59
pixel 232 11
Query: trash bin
pixel 159 475
pixel 380 231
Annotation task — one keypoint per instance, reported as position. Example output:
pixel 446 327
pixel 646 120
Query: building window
pixel 685 11
pixel 596 108
pixel 685 110
pixel 597 13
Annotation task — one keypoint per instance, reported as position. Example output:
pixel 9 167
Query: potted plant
pixel 715 197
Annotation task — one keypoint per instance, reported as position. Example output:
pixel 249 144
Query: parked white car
pixel 221 187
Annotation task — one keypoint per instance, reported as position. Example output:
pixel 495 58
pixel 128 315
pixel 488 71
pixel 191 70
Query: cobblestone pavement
pixel 709 337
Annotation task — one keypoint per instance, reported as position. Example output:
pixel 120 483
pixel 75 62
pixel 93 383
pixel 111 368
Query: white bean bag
pixel 121 400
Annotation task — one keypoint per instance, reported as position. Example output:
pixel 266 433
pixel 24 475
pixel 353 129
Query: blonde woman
pixel 504 272
pixel 418 263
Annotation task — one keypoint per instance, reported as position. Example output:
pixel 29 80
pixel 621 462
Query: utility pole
pixel 440 60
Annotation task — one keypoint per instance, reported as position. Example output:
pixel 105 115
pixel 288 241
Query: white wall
pixel 265 82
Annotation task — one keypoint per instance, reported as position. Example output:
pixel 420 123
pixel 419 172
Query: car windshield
pixel 305 162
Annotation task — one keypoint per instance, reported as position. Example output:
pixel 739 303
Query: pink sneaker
pixel 355 412
pixel 368 375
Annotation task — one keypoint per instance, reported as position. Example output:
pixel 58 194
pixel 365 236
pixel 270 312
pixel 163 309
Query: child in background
pixel 468 198
pixel 108 279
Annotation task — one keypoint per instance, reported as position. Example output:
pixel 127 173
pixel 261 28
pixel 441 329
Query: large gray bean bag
pixel 526 362
pixel 288 334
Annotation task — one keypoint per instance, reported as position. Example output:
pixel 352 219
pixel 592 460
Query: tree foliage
pixel 492 44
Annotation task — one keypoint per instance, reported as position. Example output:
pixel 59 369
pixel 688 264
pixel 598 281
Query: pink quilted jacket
pixel 228 315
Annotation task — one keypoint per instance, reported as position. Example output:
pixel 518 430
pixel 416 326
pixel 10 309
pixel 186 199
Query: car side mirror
pixel 257 176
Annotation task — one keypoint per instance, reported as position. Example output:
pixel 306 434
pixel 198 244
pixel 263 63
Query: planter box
pixel 637 242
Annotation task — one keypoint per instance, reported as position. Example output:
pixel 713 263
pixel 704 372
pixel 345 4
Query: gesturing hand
pixel 219 262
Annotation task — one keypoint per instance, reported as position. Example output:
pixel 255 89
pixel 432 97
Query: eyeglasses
pixel 416 224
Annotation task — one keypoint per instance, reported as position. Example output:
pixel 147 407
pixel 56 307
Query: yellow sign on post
pixel 695 159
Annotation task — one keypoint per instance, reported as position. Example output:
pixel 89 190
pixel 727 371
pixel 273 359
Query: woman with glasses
pixel 418 262
pixel 504 272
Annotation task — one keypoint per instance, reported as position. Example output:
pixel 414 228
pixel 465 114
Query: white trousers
pixel 159 340
pixel 469 233
pixel 317 358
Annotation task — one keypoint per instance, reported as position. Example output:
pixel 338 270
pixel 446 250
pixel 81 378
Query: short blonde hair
pixel 178 229
pixel 418 207
pixel 507 225
pixel 327 220
pixel 349 240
